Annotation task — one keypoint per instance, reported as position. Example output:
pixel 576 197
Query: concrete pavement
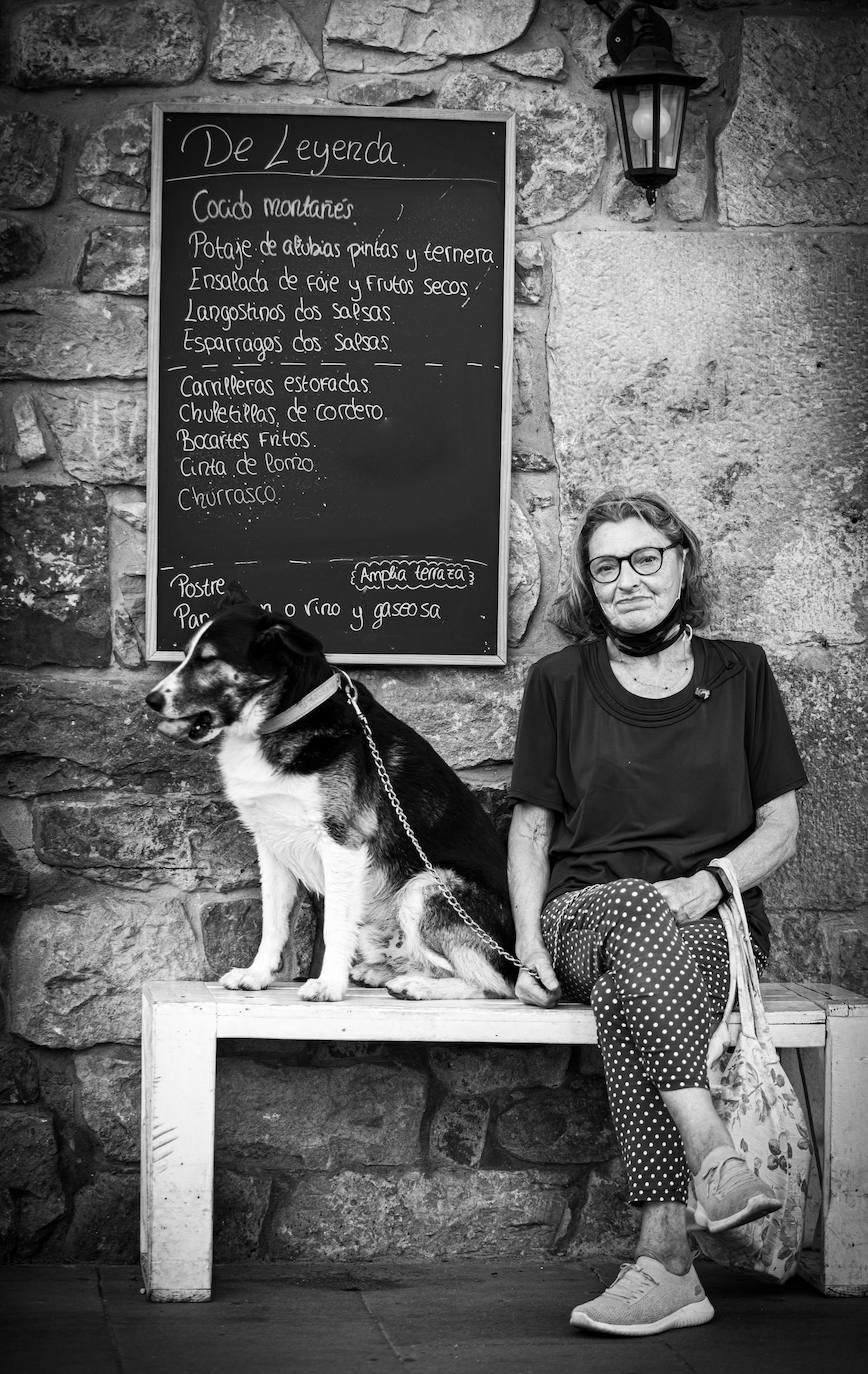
pixel 488 1317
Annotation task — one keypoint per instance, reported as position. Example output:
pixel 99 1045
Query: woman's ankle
pixel 663 1236
pixel 676 1261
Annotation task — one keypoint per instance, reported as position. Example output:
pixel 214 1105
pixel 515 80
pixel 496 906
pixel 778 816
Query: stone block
pixel 54 603
pixel 800 946
pixel 58 1090
pixel 471 1072
pixel 442 1215
pixel 473 723
pixel 128 634
pixel 62 733
pixel 792 153
pixel 78 962
pixel 701 47
pixel 345 1116
pixel 100 431
pixel 62 336
pixel 585 28
pixel 150 43
pixel 524 340
pixel 541 64
pixel 105 1221
pixel 19 1076
pixel 623 200
pixel 568 1125
pixel 373 35
pixel 529 272
pixel 230 932
pixel 22 248
pixel 240 1206
pixel 30 160
pixel 110 1099
pixel 258 40
pixel 523 461
pixel 827 709
pixel 130 511
pixel 661 377
pixel 128 555
pixel 114 169
pixel 384 90
pixel 29 1169
pixel 852 969
pixel 606 1223
pixel 115 259
pixel 525 577
pixel 138 840
pixel 30 438
pixel 458 1129
pixel 13 879
pixel 8 1223
pixel 560 142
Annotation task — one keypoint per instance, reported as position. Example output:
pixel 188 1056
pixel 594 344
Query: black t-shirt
pixel 653 788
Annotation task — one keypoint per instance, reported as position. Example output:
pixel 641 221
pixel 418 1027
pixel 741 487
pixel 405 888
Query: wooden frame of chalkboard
pixel 329 376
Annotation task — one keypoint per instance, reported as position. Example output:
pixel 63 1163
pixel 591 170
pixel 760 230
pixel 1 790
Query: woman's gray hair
pixel 577 610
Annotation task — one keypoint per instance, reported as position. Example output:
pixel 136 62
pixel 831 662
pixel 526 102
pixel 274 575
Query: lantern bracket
pixel 634 25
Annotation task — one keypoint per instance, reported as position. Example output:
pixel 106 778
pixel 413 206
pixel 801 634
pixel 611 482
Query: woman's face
pixel 636 601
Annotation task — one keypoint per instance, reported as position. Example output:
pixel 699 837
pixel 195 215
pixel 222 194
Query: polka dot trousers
pixel 658 992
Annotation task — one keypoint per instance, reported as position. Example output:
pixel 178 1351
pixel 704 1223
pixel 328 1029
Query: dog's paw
pixel 411 987
pixel 316 990
pixel 372 975
pixel 248 979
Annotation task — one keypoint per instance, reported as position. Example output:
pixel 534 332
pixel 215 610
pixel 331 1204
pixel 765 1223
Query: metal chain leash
pixel 483 935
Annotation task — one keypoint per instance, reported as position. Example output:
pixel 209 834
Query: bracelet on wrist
pixel 718 878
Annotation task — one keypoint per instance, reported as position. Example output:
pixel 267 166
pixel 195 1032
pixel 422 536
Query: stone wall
pixel 710 349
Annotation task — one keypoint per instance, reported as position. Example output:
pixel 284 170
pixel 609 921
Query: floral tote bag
pixel 755 1100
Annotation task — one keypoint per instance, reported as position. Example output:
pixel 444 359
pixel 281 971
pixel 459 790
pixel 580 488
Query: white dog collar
pixel 302 708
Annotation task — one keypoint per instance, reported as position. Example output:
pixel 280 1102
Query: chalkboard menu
pixel 329 376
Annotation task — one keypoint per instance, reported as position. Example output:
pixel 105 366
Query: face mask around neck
pixel 644 642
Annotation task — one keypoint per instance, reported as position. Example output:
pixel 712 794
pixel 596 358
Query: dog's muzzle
pixel 192 731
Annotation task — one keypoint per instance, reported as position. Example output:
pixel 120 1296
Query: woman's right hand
pixel 544 990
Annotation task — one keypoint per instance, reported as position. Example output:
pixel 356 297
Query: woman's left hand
pixel 690 898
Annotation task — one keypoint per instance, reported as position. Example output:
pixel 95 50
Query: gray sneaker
pixel 728 1194
pixel 644 1299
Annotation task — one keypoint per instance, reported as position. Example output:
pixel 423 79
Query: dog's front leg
pixel 278 894
pixel 345 892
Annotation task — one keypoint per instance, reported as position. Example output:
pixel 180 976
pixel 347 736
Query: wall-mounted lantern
pixel 649 96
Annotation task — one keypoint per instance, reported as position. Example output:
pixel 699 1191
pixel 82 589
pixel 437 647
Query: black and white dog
pixel 298 768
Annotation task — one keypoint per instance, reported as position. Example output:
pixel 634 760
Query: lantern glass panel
pixel 671 114
pixel 642 111
pixel 621 104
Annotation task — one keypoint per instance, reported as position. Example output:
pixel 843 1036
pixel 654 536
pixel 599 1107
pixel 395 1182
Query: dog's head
pixel 227 664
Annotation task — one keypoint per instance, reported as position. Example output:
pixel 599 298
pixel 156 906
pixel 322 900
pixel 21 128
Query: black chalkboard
pixel 329 376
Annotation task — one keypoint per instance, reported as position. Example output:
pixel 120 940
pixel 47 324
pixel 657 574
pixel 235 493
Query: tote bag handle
pixel 743 975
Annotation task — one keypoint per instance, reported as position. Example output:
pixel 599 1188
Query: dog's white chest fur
pixel 282 811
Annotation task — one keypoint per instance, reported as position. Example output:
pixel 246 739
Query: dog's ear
pixel 235 595
pixel 279 641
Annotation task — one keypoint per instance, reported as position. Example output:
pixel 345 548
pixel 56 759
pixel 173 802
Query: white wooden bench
pixel 822 1032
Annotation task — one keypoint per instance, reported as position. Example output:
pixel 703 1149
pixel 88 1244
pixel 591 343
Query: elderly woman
pixel 644 752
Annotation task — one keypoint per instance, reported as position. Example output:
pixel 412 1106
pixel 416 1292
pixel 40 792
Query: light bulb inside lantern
pixel 643 118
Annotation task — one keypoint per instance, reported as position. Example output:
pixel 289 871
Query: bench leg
pixel 179 1054
pixel 837 1083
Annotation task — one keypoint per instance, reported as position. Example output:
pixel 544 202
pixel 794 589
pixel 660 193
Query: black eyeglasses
pixel 607 568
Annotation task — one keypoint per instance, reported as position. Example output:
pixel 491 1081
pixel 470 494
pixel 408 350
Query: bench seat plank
pixel 368 1014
